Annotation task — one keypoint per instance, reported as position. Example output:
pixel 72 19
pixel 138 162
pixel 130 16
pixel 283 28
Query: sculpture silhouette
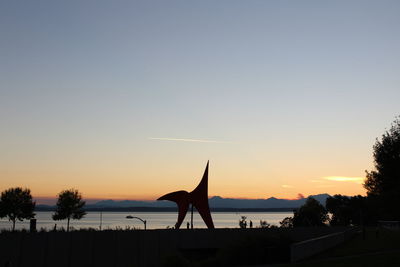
pixel 198 198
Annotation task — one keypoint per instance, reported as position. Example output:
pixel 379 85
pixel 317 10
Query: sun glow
pixel 358 180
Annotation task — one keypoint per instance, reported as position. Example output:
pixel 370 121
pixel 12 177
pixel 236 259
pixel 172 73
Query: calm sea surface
pixel 155 220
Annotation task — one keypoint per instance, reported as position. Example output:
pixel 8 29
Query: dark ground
pixel 377 248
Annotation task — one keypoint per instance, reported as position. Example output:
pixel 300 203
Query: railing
pixel 392 225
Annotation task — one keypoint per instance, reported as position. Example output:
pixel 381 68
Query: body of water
pixel 155 220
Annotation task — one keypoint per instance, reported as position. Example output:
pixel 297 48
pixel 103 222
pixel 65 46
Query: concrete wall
pixel 129 248
pixel 308 248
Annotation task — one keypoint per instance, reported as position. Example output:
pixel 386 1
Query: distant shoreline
pixel 168 209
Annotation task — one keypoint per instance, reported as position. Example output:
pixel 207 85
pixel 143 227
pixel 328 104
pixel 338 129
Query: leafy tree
pixel 16 204
pixel 287 222
pixel 69 206
pixel 361 212
pixel 355 210
pixel 340 208
pixel 383 183
pixel 312 213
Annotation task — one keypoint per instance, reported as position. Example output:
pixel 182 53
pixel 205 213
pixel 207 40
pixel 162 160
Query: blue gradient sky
pixel 291 91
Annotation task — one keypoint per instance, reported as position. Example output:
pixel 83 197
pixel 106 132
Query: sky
pixel 129 99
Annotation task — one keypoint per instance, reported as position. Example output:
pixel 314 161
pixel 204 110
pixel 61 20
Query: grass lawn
pixel 380 248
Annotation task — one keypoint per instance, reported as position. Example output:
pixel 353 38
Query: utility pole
pixel 101 219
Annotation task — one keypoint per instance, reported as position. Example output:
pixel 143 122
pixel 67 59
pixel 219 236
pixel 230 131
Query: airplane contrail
pixel 186 140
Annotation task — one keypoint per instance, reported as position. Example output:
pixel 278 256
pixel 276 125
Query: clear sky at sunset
pixel 129 99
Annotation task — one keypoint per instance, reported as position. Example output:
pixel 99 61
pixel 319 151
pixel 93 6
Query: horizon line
pixel 154 200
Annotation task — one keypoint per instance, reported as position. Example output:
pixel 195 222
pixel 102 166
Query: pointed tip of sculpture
pixel 206 170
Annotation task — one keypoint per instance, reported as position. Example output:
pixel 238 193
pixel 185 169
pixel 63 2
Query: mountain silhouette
pixel 216 202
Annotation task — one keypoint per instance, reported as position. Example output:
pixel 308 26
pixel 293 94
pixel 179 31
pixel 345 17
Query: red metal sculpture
pixel 198 198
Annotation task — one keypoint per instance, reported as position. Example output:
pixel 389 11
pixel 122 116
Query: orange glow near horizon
pixel 97 185
pixel 237 170
pixel 122 192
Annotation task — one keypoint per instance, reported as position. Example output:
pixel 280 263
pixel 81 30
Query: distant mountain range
pixel 216 203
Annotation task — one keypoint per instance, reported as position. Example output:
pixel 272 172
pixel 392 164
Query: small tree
pixel 264 224
pixel 287 222
pixel 16 204
pixel 312 213
pixel 69 206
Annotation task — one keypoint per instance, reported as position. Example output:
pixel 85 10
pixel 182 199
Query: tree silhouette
pixel 16 204
pixel 355 210
pixel 287 222
pixel 383 183
pixel 312 213
pixel 69 206
pixel 361 211
pixel 340 208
